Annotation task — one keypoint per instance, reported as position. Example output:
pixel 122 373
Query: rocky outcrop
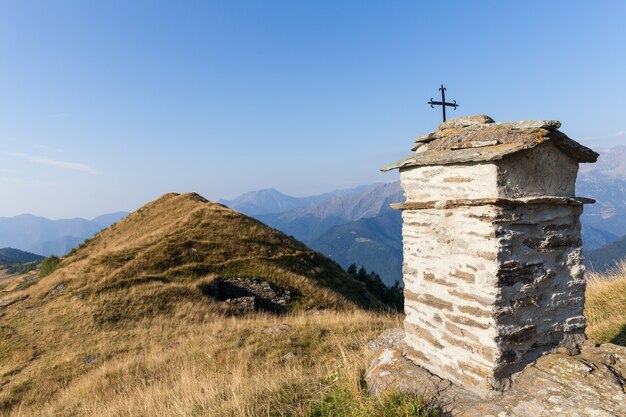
pixel 249 294
pixel 591 383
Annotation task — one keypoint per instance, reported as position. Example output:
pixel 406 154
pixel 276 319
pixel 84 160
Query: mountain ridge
pixel 270 200
pixel 370 242
pixel 606 257
pixel 308 223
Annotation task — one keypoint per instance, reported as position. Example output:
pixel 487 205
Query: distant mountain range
pixel 309 223
pixel 10 256
pixel 354 225
pixel 51 237
pixel 350 226
pixel 359 227
pixel 372 242
pixel 270 200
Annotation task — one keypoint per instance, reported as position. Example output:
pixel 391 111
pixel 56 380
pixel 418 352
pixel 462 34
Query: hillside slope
pixel 153 270
pixel 178 239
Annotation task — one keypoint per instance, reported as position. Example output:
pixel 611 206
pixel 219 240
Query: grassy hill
pixel 139 288
pixel 171 247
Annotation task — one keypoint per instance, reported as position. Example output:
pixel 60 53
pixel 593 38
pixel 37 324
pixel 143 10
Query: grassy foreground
pixel 301 364
pixel 261 365
pixel 605 307
pixel 123 326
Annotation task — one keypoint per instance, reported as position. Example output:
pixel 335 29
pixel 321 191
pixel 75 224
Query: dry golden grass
pixel 228 367
pixel 605 306
pixel 132 334
pixel 194 361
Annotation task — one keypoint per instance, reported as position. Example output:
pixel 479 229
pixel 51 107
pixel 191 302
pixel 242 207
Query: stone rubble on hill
pixel 56 289
pixel 250 294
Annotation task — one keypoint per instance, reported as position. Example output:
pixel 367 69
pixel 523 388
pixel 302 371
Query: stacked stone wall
pixel 541 283
pixel 434 183
pixel 491 287
pixel 541 171
pixel 450 267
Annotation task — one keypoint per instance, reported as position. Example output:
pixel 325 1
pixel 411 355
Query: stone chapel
pixel 492 269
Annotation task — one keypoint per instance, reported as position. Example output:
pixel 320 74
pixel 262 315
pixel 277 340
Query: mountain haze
pixel 51 237
pixel 309 223
pixel 606 257
pixel 371 242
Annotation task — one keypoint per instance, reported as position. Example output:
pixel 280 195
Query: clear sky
pixel 105 105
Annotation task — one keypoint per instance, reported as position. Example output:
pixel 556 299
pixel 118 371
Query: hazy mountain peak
pixel 270 200
pixel 611 164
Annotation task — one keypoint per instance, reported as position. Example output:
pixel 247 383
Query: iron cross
pixel 443 102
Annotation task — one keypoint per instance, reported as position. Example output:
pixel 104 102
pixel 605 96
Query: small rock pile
pixel 250 294
pixel 56 289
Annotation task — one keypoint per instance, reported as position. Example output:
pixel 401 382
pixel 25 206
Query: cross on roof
pixel 443 102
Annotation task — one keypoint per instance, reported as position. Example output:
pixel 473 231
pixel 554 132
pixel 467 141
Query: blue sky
pixel 107 105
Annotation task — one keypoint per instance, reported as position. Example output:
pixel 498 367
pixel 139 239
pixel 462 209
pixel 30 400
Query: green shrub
pixel 49 265
pixel 80 246
pixel 392 296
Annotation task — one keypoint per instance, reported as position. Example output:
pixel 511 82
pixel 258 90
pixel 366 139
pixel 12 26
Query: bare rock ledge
pixel 589 384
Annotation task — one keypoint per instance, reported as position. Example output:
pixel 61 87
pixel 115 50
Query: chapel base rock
pixel 589 384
